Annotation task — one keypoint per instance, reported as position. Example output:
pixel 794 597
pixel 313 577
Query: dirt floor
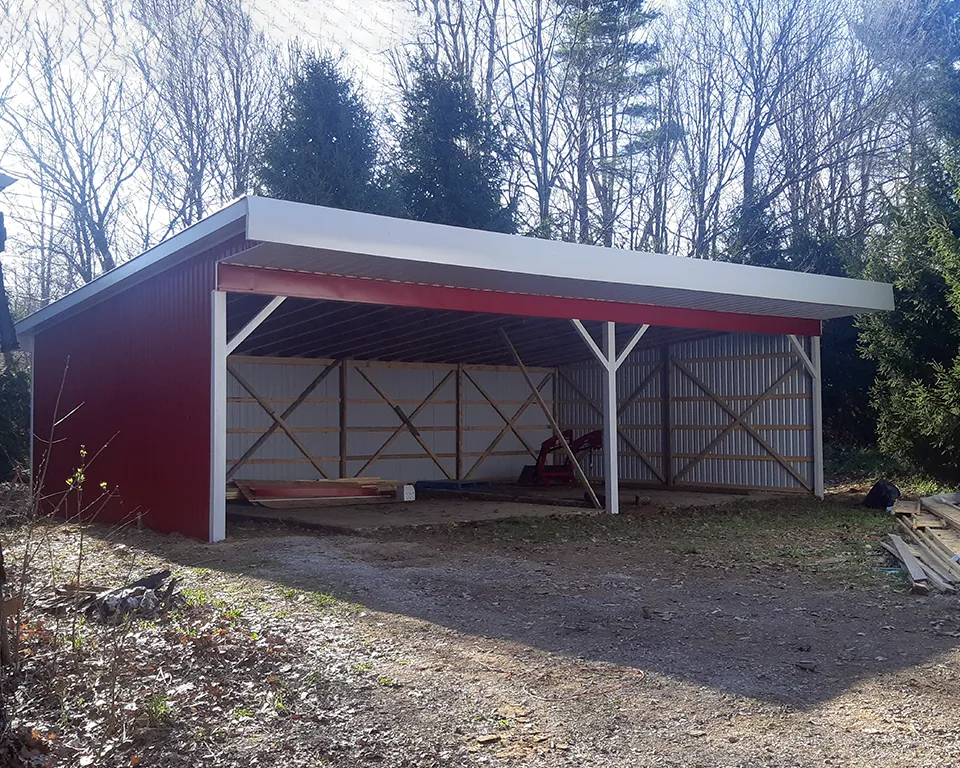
pixel 760 633
pixel 451 507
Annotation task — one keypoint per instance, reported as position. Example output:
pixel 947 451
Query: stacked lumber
pixel 929 551
pixel 294 494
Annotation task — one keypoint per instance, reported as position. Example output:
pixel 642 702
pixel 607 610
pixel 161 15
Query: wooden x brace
pixel 509 424
pixel 406 423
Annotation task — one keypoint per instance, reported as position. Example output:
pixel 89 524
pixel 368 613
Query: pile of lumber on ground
pixel 929 545
pixel 294 494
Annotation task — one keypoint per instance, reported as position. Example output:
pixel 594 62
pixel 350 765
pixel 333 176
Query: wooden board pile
pixel 929 546
pixel 294 494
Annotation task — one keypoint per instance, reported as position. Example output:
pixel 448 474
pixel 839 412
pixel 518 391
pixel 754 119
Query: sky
pixel 365 30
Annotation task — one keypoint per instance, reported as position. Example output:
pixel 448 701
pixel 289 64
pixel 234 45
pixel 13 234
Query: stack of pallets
pixel 295 494
pixel 929 545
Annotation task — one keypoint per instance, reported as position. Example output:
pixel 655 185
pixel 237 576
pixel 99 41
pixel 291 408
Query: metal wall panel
pixel 135 374
pixel 736 369
pixel 371 420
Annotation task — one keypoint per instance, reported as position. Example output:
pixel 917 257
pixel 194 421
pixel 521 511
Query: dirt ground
pixel 453 509
pixel 756 633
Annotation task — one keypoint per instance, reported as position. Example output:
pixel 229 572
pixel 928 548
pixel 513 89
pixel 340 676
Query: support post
pixel 812 364
pixel 459 474
pixel 611 452
pixel 817 381
pixel 218 416
pixel 611 362
pixel 666 415
pixel 343 418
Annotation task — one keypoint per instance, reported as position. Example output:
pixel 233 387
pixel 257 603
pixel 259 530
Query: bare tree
pixel 463 36
pixel 69 114
pixel 534 82
pixel 250 80
pixel 177 63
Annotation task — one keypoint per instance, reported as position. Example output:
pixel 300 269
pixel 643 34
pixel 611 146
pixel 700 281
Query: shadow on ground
pixel 619 594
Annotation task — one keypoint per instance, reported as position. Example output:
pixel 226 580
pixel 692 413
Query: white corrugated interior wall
pixel 712 382
pixel 378 443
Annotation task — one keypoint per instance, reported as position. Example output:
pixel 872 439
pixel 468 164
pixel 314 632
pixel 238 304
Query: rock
pixel 883 495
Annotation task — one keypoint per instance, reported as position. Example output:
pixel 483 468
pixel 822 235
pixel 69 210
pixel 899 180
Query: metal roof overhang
pixel 332 255
pixel 328 254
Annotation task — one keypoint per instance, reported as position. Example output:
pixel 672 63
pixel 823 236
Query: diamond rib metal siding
pixel 135 374
pixel 737 368
pixel 371 421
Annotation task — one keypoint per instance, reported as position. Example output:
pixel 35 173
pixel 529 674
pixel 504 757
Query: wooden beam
pixel 407 422
pixel 510 425
pixel 666 416
pixel 914 571
pixel 738 421
pixel 284 416
pixel 278 419
pixel 459 424
pixel 578 470
pixel 506 420
pixel 626 438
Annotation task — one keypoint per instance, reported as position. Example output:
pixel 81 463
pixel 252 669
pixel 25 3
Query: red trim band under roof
pixel 307 285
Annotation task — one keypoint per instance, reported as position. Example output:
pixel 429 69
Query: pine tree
pixel 448 167
pixel 611 69
pixel 323 149
pixel 917 347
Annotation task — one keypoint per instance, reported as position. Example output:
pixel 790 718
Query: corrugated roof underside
pixel 341 330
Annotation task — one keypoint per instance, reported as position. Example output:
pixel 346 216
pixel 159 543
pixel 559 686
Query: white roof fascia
pixel 298 224
pixel 170 252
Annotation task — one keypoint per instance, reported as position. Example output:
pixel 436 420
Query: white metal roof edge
pixel 299 224
pixel 162 256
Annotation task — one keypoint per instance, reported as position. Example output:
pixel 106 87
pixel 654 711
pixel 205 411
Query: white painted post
pixel 218 417
pixel 817 382
pixel 611 459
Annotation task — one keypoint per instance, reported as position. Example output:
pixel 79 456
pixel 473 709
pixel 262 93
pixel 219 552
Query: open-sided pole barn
pixel 276 340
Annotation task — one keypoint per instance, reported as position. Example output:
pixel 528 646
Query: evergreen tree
pixel 917 347
pixel 448 167
pixel 611 70
pixel 323 149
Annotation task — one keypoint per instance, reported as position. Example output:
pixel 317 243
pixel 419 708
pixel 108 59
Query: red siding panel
pixel 136 368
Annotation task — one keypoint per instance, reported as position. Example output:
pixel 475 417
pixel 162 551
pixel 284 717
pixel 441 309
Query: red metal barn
pixel 165 371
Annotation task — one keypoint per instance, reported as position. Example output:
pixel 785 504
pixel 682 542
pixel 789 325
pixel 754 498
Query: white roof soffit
pixel 305 238
pixel 225 223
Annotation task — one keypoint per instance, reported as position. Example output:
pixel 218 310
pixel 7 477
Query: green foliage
pixel 157 710
pixel 848 417
pixel 14 421
pixel 323 149
pixel 448 167
pixel 917 348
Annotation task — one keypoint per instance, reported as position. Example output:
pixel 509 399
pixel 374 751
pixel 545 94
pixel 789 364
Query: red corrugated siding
pixel 139 370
